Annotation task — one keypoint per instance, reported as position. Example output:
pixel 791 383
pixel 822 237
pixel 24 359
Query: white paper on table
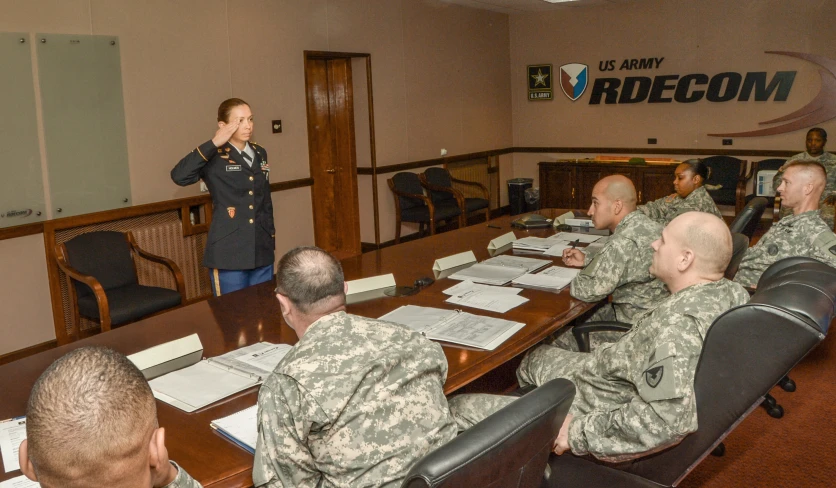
pixel 487 274
pixel 417 318
pixel 502 240
pixel 557 249
pixel 488 300
pixel 528 264
pixel 475 330
pixel 368 284
pixel 20 482
pixel 459 259
pixel 537 243
pixel 468 286
pixel 12 433
pixel 577 236
pixel 264 358
pixel 556 277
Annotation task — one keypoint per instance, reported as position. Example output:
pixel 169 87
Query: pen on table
pixel 494 226
pixel 575 243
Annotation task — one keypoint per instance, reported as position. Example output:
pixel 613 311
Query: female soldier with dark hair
pixel 240 248
pixel 690 196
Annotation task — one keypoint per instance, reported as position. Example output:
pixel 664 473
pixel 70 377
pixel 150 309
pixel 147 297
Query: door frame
pixel 368 57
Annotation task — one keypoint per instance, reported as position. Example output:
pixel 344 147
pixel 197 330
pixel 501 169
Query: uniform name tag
pixel 233 167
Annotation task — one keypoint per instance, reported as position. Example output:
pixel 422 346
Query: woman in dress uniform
pixel 240 249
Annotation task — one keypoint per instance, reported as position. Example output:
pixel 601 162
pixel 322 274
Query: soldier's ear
pixel 617 206
pixel 685 260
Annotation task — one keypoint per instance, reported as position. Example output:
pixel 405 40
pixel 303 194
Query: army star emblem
pixel 540 78
pixel 654 375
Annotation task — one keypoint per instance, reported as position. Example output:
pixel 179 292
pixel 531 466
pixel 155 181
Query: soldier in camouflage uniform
pixel 357 401
pixel 690 195
pixel 636 396
pixel 92 421
pixel 621 268
pixel 816 140
pixel 802 234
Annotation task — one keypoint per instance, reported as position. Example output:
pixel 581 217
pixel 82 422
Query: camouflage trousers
pixel 564 338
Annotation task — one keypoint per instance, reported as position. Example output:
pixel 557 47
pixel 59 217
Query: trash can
pixel 516 193
pixel 532 199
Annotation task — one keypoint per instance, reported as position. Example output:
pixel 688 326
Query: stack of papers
pixel 12 433
pixel 488 274
pixel 492 298
pixel 455 326
pixel 529 264
pixel 240 427
pixel 537 243
pixel 20 482
pixel 554 278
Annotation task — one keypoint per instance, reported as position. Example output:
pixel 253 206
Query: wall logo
pixel 540 82
pixel 574 79
pixel 821 109
pixel 17 213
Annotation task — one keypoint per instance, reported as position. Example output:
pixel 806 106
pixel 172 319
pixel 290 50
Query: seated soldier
pixel 621 268
pixel 802 234
pixel 92 422
pixel 636 396
pixel 690 194
pixel 357 401
pixel 815 142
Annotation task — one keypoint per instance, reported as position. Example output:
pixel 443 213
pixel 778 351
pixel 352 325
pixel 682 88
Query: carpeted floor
pixel 795 451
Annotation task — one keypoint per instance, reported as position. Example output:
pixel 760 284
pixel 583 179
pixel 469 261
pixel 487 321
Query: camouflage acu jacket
pixel 805 234
pixel 636 396
pixel 621 268
pixel 668 208
pixel 355 403
pixel 183 480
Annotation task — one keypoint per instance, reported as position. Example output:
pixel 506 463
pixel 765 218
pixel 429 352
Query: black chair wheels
pixel 787 384
pixel 719 451
pixel 772 408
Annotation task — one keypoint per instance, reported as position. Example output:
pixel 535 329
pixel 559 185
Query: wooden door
pixel 656 183
pixel 333 159
pixel 557 186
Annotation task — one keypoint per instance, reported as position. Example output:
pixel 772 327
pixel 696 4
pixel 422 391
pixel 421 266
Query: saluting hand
pixel 573 258
pixel 224 132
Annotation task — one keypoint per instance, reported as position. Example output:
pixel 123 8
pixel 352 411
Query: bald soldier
pixel 621 268
pixel 802 234
pixel 91 421
pixel 636 396
pixel 357 401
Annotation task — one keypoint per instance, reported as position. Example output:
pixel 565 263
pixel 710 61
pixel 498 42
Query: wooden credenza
pixel 569 183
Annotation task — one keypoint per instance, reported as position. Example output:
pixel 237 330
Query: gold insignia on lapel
pixel 231 212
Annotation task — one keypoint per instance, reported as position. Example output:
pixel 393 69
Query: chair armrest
pixel 740 191
pixel 171 265
pixel 581 331
pixel 413 196
pixel 446 189
pixel 473 183
pixel 93 283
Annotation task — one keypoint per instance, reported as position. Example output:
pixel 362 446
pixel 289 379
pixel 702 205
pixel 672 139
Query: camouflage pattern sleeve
pixel 824 248
pixel 285 417
pixel 698 201
pixel 604 273
pixel 183 480
pixel 656 209
pixel 471 408
pixel 661 415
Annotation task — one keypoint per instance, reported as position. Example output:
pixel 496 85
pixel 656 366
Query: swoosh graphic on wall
pixel 821 109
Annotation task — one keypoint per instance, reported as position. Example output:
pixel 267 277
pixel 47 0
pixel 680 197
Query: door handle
pixel 640 196
pixel 331 170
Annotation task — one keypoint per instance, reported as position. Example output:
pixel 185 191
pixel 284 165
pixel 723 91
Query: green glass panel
pixel 21 182
pixel 84 123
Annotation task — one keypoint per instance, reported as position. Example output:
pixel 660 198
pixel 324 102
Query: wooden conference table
pixel 252 315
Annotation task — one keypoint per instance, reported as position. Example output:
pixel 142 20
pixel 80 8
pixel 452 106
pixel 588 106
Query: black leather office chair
pixel 439 184
pixel 105 287
pixel 739 245
pixel 411 205
pixel 746 351
pixel 509 449
pixel 748 219
pixel 728 179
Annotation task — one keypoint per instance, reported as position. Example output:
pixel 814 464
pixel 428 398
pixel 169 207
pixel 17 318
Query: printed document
pixel 240 427
pixel 457 327
pixel 12 433
pixel 488 274
pixel 498 299
pixel 529 264
pixel 20 482
pixel 555 278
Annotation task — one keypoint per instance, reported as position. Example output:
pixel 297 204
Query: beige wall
pixel 27 313
pixel 440 73
pixel 709 36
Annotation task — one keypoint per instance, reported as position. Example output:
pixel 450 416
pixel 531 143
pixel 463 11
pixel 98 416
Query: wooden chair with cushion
pixel 411 205
pixel 439 185
pixel 104 284
pixel 727 181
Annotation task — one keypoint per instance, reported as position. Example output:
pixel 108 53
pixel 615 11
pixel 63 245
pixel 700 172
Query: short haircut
pixel 710 239
pixel 812 169
pixel 226 107
pixel 822 132
pixel 308 276
pixel 697 167
pixel 90 409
